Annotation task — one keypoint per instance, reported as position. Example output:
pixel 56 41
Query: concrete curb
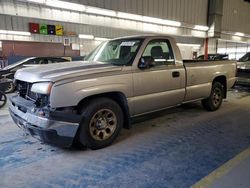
pixel 222 170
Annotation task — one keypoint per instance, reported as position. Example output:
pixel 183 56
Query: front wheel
pixel 214 101
pixel 102 120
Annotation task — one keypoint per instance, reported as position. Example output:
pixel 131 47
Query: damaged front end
pixel 31 111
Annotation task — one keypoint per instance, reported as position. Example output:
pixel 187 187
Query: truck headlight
pixel 42 88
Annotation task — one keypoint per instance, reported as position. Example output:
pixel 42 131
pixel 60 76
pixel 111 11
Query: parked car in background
pixel 214 57
pixel 3 62
pixel 243 70
pixel 78 58
pixel 9 71
pixel 90 101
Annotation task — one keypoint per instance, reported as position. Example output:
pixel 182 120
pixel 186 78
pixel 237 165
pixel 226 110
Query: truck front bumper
pixel 56 128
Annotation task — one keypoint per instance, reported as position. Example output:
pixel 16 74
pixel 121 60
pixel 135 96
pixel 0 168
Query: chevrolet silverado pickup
pixel 90 101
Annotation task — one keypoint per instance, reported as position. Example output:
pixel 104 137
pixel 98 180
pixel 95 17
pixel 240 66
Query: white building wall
pixel 236 16
pixel 21 24
pixel 188 11
pixel 30 10
pixel 15 15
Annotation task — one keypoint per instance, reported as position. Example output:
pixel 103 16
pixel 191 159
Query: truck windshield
pixel 117 52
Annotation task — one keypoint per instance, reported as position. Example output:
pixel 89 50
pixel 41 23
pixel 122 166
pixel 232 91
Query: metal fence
pixel 3 63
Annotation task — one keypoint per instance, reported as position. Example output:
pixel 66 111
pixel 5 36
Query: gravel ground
pixel 172 148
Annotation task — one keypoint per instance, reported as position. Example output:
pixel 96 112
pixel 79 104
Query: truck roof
pixel 141 36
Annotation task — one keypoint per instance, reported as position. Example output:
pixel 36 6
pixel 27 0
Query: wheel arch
pixel 223 81
pixel 118 97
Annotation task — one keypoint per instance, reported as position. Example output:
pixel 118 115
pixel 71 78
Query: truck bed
pixel 200 75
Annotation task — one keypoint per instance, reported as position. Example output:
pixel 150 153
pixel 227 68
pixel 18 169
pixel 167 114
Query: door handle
pixel 175 74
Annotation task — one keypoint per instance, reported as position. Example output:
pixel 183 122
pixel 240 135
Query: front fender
pixel 71 93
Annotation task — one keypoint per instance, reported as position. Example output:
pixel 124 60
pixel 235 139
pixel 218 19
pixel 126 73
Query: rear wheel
pixel 102 120
pixel 214 101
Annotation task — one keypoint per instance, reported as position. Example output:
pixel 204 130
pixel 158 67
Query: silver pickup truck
pixel 90 101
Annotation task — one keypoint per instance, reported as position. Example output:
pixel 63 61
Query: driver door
pixel 163 84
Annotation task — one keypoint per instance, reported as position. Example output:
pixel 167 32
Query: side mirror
pixel 146 62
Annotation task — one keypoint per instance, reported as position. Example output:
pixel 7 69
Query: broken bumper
pixel 56 128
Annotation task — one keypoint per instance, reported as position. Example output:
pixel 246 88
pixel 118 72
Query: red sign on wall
pixel 34 28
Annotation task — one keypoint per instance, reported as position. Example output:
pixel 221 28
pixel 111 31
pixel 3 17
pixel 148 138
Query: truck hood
pixel 56 72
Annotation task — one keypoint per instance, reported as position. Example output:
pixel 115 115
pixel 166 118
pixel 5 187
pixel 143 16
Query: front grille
pixel 24 89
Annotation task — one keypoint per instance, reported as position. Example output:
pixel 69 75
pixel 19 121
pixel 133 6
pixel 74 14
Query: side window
pixel 43 61
pixel 26 64
pixel 57 60
pixel 30 62
pixel 160 50
pixel 54 60
pixel 50 61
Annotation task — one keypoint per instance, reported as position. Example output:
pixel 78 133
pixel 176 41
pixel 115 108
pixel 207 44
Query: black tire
pixel 10 88
pixel 214 101
pixel 3 99
pixel 101 117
